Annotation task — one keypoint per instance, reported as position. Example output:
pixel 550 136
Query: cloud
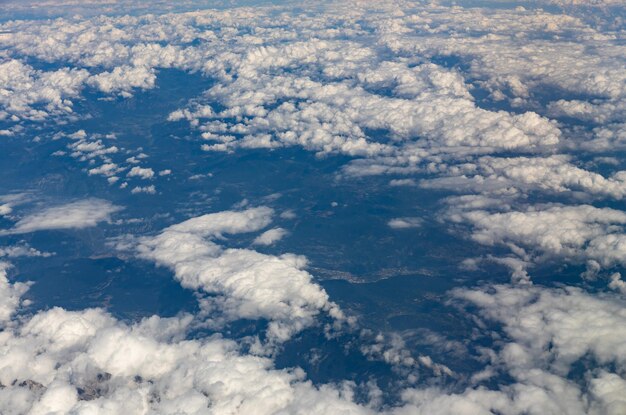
pixel 243 284
pixel 85 361
pixel 5 209
pixel 89 148
pixel 405 223
pixel 23 88
pixel 143 173
pixel 554 174
pixel 75 215
pixel 270 237
pixel 10 294
pixel 124 79
pixel 554 328
pixel 107 169
pixel 22 250
pixel 574 233
pixel 144 189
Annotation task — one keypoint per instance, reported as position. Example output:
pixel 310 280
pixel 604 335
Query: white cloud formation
pixel 10 294
pixel 405 223
pixel 22 89
pixel 75 215
pixel 107 169
pixel 141 172
pixel 5 209
pixel 270 237
pixel 22 250
pixel 243 283
pixel 144 189
pixel 574 233
pixel 60 361
pixel 87 361
pixel 124 79
pixel 554 174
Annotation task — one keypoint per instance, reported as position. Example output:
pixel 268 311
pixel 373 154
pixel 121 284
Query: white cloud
pixel 270 237
pixel 10 294
pixel 575 233
pixel 144 173
pixel 124 79
pixel 22 88
pixel 87 361
pixel 5 209
pixel 75 215
pixel 143 189
pixel 244 283
pixel 554 174
pixel 405 223
pixel 107 169
pixel 554 328
pixel 402 182
pixel 22 250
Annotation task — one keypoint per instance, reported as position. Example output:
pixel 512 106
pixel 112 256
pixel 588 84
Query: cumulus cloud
pixel 23 89
pixel 270 237
pixel 86 361
pixel 554 328
pixel 5 209
pixel 243 283
pixel 405 223
pixel 124 79
pixel 75 215
pixel 107 169
pixel 575 233
pixel 22 250
pixel 141 172
pixel 10 294
pixel 554 174
pixel 144 189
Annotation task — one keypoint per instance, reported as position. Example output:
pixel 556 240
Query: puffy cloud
pixel 31 94
pixel 356 79
pixel 22 250
pixel 85 149
pixel 107 169
pixel 88 362
pixel 8 202
pixel 144 189
pixel 270 237
pixel 334 116
pixel 548 331
pixel 5 209
pixel 10 294
pixel 144 173
pixel 575 233
pixel 124 79
pixel 75 215
pixel 402 182
pixel 405 223
pixel 555 174
pixel 89 148
pixel 554 328
pixel 243 283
